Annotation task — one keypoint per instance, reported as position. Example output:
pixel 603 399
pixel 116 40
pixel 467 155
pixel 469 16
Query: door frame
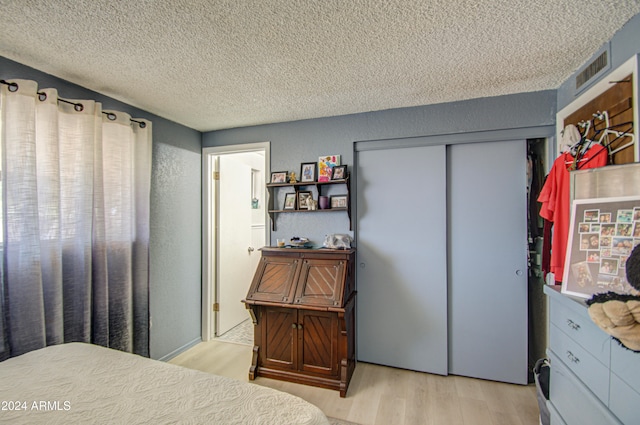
pixel 521 133
pixel 210 218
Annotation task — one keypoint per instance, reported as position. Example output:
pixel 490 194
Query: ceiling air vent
pixel 592 69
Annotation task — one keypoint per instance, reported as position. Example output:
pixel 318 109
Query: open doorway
pixel 234 228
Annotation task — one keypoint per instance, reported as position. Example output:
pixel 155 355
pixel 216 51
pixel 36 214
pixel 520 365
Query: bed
pixel 84 383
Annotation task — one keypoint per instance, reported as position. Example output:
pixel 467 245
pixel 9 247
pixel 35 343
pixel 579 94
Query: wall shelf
pixel 273 189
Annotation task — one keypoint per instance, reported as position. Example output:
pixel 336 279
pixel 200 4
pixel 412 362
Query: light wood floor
pixel 384 395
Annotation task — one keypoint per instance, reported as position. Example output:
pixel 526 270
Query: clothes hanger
pixel 620 135
pixel 604 139
pixel 573 149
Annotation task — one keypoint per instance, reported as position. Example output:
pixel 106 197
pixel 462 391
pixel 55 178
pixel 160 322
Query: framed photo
pixel 339 201
pixel 325 166
pixel 289 201
pixel 279 177
pixel 339 172
pixel 303 197
pixel 308 172
pixel 595 260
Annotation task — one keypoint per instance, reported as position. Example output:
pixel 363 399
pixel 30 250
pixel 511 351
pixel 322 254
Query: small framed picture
pixel 289 201
pixel 303 197
pixel 308 171
pixel 339 172
pixel 339 201
pixel 325 166
pixel 279 177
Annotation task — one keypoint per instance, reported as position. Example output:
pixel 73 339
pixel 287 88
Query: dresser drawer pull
pixel 573 358
pixel 573 325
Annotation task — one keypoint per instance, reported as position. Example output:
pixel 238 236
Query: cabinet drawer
pixel 573 401
pixel 576 323
pixel 626 364
pixel 585 366
pixel 624 401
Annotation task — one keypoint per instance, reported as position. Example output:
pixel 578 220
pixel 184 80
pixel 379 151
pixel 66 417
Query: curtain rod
pixel 13 87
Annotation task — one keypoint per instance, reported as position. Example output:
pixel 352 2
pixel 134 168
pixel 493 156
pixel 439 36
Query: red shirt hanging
pixel 554 197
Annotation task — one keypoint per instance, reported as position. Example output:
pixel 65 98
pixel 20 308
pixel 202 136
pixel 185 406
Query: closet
pixel 442 257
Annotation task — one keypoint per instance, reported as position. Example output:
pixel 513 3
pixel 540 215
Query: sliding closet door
pixel 488 261
pixel 401 231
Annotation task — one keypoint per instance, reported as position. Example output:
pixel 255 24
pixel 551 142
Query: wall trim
pixel 546 131
pixel 180 350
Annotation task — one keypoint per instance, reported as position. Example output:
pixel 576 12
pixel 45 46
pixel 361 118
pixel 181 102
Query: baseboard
pixel 180 350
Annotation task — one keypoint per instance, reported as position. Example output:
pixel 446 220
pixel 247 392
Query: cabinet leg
pixel 344 377
pixel 253 370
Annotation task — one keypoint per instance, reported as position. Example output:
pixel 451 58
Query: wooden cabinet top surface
pixel 270 250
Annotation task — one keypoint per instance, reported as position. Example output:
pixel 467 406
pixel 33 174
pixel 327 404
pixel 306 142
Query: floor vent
pixel 592 69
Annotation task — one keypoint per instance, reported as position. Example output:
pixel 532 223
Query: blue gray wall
pixel 175 245
pixel 303 141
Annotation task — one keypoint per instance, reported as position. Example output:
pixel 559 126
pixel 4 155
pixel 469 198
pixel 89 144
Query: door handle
pixel 250 249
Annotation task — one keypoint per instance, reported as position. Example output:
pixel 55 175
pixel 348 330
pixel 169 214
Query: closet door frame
pixel 524 133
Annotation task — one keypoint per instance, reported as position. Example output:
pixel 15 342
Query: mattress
pixel 83 383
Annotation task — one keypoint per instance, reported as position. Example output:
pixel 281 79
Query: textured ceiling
pixel 231 63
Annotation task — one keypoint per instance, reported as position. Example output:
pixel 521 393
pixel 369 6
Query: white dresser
pixel 593 379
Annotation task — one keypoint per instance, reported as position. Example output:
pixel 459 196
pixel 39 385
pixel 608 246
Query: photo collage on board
pixel 606 236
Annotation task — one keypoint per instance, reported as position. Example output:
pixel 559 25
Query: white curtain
pixel 75 223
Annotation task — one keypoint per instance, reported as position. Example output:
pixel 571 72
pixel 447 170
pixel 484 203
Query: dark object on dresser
pixel 302 303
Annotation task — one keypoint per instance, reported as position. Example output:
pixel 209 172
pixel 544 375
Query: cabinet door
pixel 321 283
pixel 279 333
pixel 274 279
pixel 318 342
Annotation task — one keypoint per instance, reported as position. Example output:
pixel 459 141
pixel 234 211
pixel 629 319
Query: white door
pixel 402 245
pixel 234 242
pixel 488 261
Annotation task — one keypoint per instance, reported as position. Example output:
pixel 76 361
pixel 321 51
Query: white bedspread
pixel 88 384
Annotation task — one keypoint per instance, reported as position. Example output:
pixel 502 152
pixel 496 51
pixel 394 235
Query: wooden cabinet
pixel 276 207
pixel 302 302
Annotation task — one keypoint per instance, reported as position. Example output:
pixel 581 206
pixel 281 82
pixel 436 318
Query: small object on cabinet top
pixel 298 241
pixel 337 241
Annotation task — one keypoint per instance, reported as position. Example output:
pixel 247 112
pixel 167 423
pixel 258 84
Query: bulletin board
pixel 602 235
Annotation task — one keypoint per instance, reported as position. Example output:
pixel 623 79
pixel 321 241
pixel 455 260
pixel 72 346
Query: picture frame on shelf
pixel 279 176
pixel 339 172
pixel 325 166
pixel 303 197
pixel 290 201
pixel 308 171
pixel 338 201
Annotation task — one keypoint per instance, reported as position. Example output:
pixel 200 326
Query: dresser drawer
pixel 586 367
pixel 626 364
pixel 624 401
pixel 575 322
pixel 574 403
